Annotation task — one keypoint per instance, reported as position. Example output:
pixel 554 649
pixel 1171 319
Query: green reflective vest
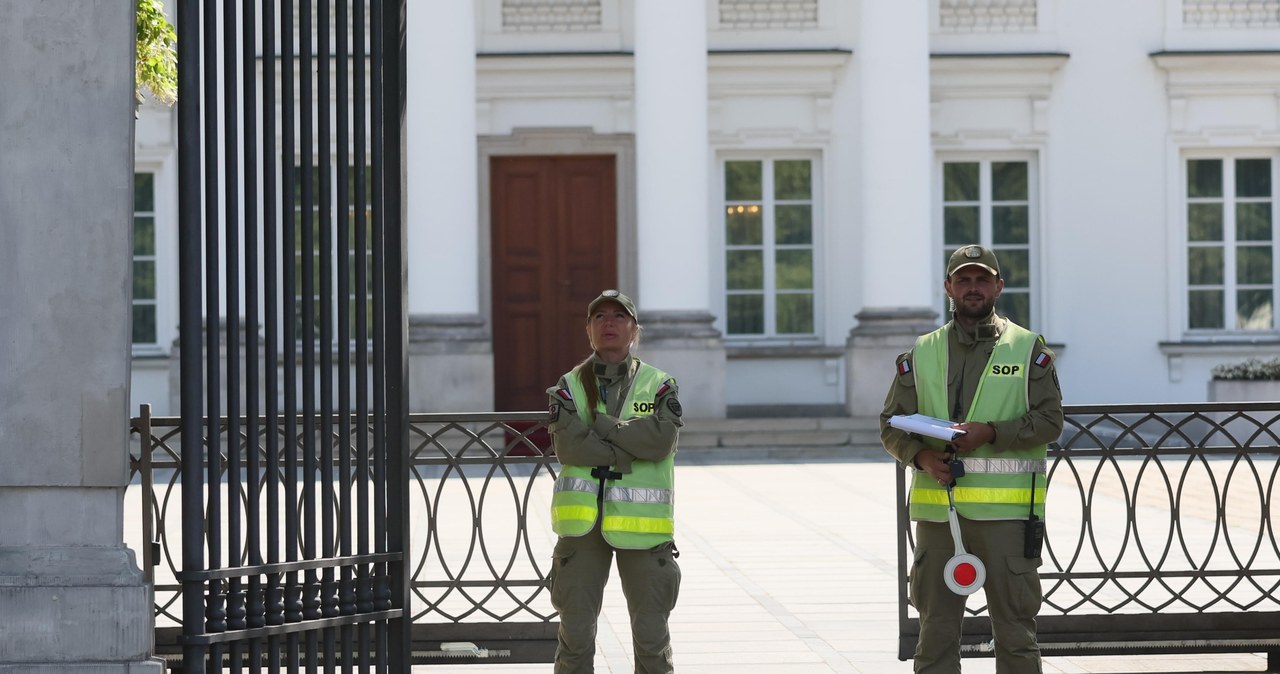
pixel 639 508
pixel 997 486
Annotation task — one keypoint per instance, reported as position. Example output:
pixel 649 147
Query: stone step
pixel 792 437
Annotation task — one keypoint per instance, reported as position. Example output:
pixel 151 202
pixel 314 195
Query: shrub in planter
pixel 1251 369
pixel 1252 380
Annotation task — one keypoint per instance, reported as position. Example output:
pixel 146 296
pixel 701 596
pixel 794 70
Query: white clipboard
pixel 932 427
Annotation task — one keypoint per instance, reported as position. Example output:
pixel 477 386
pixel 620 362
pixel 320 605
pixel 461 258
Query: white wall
pixel 1105 216
pixel 1105 122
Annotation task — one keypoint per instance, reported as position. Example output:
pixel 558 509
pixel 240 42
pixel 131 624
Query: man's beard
pixel 981 311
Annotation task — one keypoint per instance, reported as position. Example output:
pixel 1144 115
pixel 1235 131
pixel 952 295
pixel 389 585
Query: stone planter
pixel 1244 390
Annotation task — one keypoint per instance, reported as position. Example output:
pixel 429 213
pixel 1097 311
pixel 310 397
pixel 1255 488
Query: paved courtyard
pixel 789 568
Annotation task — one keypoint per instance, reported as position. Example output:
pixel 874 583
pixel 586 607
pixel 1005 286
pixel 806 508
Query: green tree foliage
pixel 157 65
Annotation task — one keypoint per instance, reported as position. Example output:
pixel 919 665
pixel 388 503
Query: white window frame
pixel 770 337
pixel 1228 157
pixel 166 247
pixel 1035 226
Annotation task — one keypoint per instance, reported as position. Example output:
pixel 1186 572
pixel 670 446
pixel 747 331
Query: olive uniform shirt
pixel 967 356
pixel 610 441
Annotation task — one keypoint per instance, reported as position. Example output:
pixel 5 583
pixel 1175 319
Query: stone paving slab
pixel 790 568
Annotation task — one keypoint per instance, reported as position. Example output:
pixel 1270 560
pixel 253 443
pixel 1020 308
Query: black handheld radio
pixel 1033 528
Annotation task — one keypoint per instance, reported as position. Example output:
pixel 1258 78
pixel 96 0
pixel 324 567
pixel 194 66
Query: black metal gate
pixel 292 319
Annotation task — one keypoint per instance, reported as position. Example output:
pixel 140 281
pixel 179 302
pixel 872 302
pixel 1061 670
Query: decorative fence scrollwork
pixel 480 538
pixel 1161 534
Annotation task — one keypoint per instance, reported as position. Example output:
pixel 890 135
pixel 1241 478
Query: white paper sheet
pixel 932 427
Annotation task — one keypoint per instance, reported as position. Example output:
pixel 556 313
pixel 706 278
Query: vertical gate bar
pixel 215 613
pixel 346 599
pixel 903 522
pixel 231 262
pixel 381 591
pixel 326 223
pixel 342 54
pixel 379 296
pixel 271 321
pixel 274 598
pixel 397 333
pixel 364 588
pixel 289 336
pixel 145 451
pixel 255 607
pixel 306 142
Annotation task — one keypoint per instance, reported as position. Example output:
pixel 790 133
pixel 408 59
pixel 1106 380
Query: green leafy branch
pixel 157 64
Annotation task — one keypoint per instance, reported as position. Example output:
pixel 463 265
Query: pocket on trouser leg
pixel 1024 585
pixel 913 578
pixel 667 578
pixel 652 590
pixel 560 590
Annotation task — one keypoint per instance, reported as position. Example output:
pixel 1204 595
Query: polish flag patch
pixel 1042 360
pixel 564 394
pixel 665 387
pixel 904 366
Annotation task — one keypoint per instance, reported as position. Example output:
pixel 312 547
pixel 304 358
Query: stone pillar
pixel 672 162
pixel 450 343
pixel 899 278
pixel 72 598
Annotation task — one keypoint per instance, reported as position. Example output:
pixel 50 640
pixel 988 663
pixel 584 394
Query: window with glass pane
pixel 1230 245
pixel 343 241
pixel 988 202
pixel 769 247
pixel 143 309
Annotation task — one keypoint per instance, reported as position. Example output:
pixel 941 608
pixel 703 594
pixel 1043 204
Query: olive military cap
pixel 973 255
pixel 612 296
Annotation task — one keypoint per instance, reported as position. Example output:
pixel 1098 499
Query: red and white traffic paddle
pixel 964 573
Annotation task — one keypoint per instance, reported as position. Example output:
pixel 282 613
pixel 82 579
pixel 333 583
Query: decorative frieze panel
pixel 551 16
pixel 987 16
pixel 1223 98
pixel 992 102
pixel 1231 13
pixel 768 14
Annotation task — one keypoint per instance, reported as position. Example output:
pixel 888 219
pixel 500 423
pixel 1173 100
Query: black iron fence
pixel 1161 532
pixel 1161 535
pixel 480 538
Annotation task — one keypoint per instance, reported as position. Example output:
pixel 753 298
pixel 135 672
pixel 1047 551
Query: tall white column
pixel 440 158
pixel 450 350
pixel 892 54
pixel 672 154
pixel 899 279
pixel 672 163
pixel 72 598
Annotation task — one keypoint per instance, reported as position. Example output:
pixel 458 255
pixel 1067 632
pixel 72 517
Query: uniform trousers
pixel 650 582
pixel 1012 589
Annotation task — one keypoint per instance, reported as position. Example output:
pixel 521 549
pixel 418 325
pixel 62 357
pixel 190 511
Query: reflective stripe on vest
pixel 639 507
pixel 974 464
pixel 1002 486
pixel 631 495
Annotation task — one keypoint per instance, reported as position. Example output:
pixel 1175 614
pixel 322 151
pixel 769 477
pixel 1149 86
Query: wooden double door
pixel 554 246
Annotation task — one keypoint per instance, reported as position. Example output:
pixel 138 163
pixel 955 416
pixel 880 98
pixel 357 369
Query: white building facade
pixel 778 184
